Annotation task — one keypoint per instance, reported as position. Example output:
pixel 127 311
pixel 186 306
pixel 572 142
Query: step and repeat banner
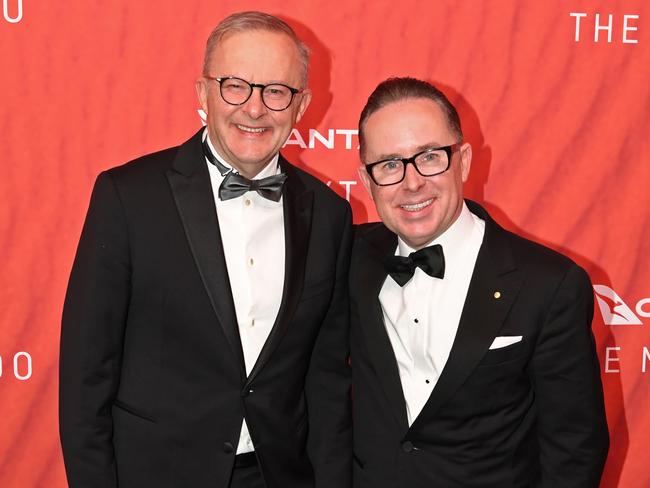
pixel 553 95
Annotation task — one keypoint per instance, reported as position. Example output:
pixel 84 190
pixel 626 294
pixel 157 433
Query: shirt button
pixel 247 202
pixel 251 262
pixel 253 323
pixel 416 321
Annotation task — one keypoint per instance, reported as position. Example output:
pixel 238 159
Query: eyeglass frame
pixel 406 161
pixel 221 79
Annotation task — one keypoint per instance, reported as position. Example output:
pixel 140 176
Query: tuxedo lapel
pixel 493 288
pixel 297 206
pixel 371 252
pixel 190 183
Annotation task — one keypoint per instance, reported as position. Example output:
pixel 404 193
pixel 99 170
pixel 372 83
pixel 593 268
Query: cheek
pixel 383 200
pixel 376 194
pixel 217 111
pixel 283 121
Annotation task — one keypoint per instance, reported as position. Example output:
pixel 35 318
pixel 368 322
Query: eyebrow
pixel 273 82
pixel 418 149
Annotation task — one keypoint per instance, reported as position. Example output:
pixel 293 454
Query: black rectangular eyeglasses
pixel 430 162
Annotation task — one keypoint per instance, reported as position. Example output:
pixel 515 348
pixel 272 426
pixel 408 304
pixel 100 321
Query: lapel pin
pixel 497 294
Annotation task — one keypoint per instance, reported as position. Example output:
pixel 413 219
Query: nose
pixel 254 106
pixel 413 180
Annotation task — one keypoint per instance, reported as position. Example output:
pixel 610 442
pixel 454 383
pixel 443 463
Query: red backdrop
pixel 554 97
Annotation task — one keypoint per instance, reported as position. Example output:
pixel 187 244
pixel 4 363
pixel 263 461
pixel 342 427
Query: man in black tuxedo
pixel 205 329
pixel 473 361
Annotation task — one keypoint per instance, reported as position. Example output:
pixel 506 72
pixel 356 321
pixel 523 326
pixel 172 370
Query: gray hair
pixel 397 89
pixel 247 21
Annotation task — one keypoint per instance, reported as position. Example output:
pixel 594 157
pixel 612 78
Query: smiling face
pixel 247 136
pixel 418 209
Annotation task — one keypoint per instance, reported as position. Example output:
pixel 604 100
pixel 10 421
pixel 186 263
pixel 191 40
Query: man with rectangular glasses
pixel 205 330
pixel 473 360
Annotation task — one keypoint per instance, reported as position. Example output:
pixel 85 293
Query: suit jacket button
pixel 246 392
pixel 407 446
pixel 228 447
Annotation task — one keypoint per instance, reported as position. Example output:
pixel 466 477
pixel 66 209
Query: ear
pixel 202 93
pixel 465 160
pixel 365 179
pixel 305 100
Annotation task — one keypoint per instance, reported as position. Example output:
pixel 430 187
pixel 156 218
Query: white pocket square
pixel 504 341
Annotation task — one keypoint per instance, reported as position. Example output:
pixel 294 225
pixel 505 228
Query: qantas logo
pixel 615 311
pixel 313 138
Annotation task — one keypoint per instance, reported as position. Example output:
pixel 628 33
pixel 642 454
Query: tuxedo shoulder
pixel 373 236
pixel 541 258
pixel 157 162
pixel 369 230
pixel 535 257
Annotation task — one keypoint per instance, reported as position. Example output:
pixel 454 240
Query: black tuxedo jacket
pixel 527 415
pixel 153 387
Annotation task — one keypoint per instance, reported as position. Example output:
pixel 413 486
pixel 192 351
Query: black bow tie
pixel 430 259
pixel 234 184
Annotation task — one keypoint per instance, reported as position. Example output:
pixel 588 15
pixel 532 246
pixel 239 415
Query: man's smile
pixel 251 130
pixel 415 207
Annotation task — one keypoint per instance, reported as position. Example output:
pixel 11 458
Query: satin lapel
pixel 297 205
pixel 482 315
pixel 378 244
pixel 190 183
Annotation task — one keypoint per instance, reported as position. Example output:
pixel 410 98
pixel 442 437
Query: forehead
pixel 401 127
pixel 257 56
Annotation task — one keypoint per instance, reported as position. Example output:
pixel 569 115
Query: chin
pixel 251 158
pixel 421 237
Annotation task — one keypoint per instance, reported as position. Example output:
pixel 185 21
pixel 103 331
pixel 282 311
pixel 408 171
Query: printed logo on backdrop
pixel 616 312
pixel 12 10
pixel 618 28
pixel 332 139
pixel 20 367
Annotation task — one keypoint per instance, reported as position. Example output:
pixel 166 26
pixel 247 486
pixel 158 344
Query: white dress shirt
pixel 421 318
pixel 252 234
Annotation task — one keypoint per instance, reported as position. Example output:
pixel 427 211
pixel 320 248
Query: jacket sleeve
pixel 328 385
pixel 92 331
pixel 572 428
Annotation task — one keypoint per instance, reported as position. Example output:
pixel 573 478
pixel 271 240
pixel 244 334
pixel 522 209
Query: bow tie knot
pixel 429 259
pixel 234 184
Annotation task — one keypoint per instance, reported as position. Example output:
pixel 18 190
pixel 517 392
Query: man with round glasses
pixel 205 330
pixel 472 356
pixel 236 91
